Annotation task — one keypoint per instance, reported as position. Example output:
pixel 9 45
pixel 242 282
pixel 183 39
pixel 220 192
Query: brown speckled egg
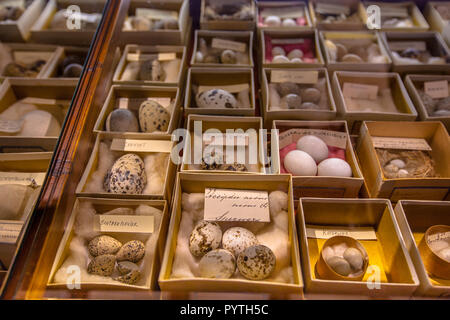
pixel 205 237
pixel 102 265
pixel 216 99
pixel 127 175
pixel 131 251
pixel 256 262
pixel 130 278
pixel 233 167
pixel 238 239
pixel 103 245
pixel 219 264
pixel 153 117
pixel 125 267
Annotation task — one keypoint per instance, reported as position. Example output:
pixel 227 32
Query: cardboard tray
pixel 351 26
pixel 282 5
pixel 228 24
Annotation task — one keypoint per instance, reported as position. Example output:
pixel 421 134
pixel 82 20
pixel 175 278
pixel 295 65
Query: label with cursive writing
pixel 401 143
pixel 232 88
pixel 331 138
pixel 23 178
pixel 436 89
pixel 283 12
pixel 10 231
pixel 360 91
pixel 280 76
pixel 442 236
pixel 124 223
pixel 325 232
pixel 135 145
pixel 236 205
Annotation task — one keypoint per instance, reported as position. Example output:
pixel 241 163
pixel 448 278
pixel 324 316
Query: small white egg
pixel 272 21
pixel 296 60
pixel 205 237
pixel 327 253
pixel 339 249
pixel 280 59
pixel 445 254
pixel 399 163
pixel 340 265
pixel 278 51
pixel 355 258
pixel 314 146
pixel 299 163
pixel 438 245
pixel 296 53
pixel 238 239
pixel 199 56
pixel 334 167
pixel 288 22
pixel 402 173
pixel 219 264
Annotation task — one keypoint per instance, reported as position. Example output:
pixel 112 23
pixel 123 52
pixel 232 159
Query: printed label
pixel 228 44
pixel 130 145
pixel 11 126
pixel 331 8
pixel 401 143
pixel 24 178
pixel 360 91
pixel 233 88
pixel 121 223
pixel 280 76
pixel 322 232
pixel 236 205
pixel 403 45
pixel 283 12
pixel 436 89
pixel 10 231
pixel 331 138
pixel 156 14
pixel 28 57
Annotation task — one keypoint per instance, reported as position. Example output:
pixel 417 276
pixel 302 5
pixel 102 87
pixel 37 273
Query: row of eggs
pixel 240 248
pixel 311 158
pixel 275 21
pixel 280 56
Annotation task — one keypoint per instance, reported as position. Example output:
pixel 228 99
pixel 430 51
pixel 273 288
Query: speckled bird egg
pixel 238 239
pixel 153 117
pixel 256 262
pixel 314 146
pixel 218 263
pixel 122 120
pixel 228 57
pixel 103 245
pixel 205 237
pixel 125 267
pixel 299 163
pixel 127 175
pixel 102 265
pixel 130 278
pixel 212 160
pixel 272 21
pixel 233 167
pixel 133 251
pixel 334 167
pixel 216 99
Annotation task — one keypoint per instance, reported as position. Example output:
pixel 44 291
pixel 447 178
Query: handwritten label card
pixel 232 88
pixel 325 232
pixel 331 138
pixel 130 145
pixel 228 44
pixel 236 205
pixel 11 126
pixel 123 223
pixel 10 231
pixel 403 45
pixel 360 91
pixel 23 178
pixel 441 236
pixel 436 89
pixel 401 143
pixel 283 12
pixel 280 76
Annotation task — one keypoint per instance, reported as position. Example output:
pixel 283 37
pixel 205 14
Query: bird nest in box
pixel 406 164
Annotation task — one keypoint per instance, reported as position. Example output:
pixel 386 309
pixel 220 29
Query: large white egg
pixel 313 146
pixel 299 163
pixel 278 51
pixel 280 59
pixel 238 239
pixel 272 21
pixel 334 167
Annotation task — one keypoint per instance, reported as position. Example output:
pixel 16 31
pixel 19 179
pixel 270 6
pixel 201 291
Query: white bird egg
pixel 272 21
pixel 278 51
pixel 280 59
pixel 288 22
pixel 334 167
pixel 313 146
pixel 299 163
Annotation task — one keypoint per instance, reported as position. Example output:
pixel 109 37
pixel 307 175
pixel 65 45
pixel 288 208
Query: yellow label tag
pixel 228 44
pixel 280 76
pixel 323 232
pixel 130 145
pixel 124 223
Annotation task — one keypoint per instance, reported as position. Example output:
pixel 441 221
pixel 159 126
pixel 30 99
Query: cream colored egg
pixel 238 239
pixel 354 258
pixel 339 265
pixel 205 237
pixel 296 53
pixel 314 146
pixel 299 163
pixel 39 123
pixel 218 263
pixel 334 167
pixel 272 21
pixel 280 59
pixel 278 51
pixel 288 22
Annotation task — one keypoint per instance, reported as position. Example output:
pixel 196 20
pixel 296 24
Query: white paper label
pixel 403 45
pixel 288 41
pixel 167 56
pixel 324 232
pixel 283 12
pixel 124 223
pixel 24 178
pixel 331 138
pixel 228 44
pixel 10 231
pixel 401 143
pixel 331 8
pixel 28 57
pixel 232 88
pixel 217 139
pixel 156 14
pixel 360 91
pixel 436 89
pixel 123 103
pixel 130 145
pixel 438 237
pixel 236 205
pixel 394 12
pixel 281 76
pixel 11 126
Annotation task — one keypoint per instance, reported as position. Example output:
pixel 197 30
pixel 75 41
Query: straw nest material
pixel 418 164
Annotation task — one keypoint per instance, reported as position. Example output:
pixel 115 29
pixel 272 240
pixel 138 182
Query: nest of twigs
pixel 418 164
